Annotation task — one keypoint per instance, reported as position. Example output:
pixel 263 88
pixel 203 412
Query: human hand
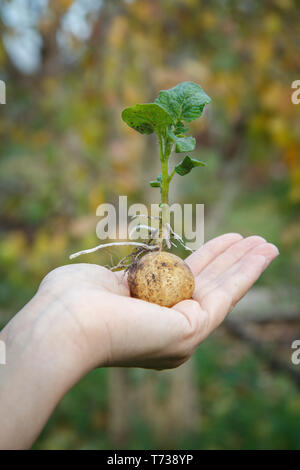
pixel 82 317
pixel 109 328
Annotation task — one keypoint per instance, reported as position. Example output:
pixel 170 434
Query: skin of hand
pixel 82 317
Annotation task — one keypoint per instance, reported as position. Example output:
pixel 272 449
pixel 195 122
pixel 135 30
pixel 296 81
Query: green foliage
pixel 187 164
pixel 183 102
pixel 157 182
pixel 183 144
pixel 146 118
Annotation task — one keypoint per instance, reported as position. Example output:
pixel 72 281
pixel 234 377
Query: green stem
pixel 165 151
pixel 164 182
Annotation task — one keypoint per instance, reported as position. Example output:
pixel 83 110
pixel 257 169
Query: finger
pixel 209 310
pixel 202 288
pixel 196 317
pixel 235 283
pixel 210 250
pixel 226 259
pixel 204 255
pixel 122 276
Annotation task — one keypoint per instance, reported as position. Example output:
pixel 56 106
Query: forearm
pixel 39 370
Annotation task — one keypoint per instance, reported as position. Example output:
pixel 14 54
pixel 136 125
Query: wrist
pixel 35 376
pixel 50 344
pixel 36 336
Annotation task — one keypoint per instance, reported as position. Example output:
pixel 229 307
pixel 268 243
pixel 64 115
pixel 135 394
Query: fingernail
pixel 269 259
pixel 277 250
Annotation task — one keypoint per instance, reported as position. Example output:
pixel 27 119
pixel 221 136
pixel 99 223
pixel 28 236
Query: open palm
pixel 111 328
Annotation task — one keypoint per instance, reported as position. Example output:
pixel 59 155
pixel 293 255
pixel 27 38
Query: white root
pixel 166 237
pixel 168 232
pixel 153 230
pixel 107 245
pixel 152 217
pixel 177 237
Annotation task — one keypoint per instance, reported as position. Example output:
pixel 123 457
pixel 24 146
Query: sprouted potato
pixel 154 274
pixel 162 278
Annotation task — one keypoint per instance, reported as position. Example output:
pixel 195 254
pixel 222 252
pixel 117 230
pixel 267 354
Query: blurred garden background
pixel 70 67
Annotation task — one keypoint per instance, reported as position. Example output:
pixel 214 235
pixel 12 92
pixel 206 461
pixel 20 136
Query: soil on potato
pixel 161 278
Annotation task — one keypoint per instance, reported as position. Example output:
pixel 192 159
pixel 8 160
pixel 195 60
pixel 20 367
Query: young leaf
pixel 146 118
pixel 184 102
pixel 187 164
pixel 180 129
pixel 156 183
pixel 183 144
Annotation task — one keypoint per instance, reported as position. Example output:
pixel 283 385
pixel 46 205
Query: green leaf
pixel 184 102
pixel 183 144
pixel 179 128
pixel 156 183
pixel 146 118
pixel 187 164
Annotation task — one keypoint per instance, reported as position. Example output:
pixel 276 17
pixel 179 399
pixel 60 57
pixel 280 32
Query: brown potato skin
pixel 161 278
